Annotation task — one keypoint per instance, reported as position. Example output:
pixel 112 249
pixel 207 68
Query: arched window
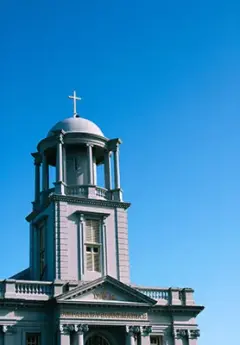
pixel 97 340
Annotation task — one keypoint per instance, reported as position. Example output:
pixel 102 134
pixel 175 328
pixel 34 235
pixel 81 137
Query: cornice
pixel 85 201
pixel 77 200
pixel 72 138
pixel 176 309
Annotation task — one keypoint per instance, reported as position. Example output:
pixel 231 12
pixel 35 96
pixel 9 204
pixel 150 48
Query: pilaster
pixel 61 240
pixel 8 335
pixel 169 337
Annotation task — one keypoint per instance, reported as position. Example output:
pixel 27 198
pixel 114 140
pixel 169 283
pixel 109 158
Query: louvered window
pixel 33 339
pixel 92 245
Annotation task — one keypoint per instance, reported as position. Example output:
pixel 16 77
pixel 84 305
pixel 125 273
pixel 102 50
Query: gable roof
pixel 81 290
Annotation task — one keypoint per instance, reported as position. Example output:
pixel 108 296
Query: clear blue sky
pixel 164 76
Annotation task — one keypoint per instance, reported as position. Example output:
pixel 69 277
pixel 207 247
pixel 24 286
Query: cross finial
pixel 75 99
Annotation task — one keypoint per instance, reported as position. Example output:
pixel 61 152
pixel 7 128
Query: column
pixel 64 335
pixel 82 329
pixel 145 340
pixel 130 339
pixel 37 163
pixel 45 177
pixel 90 163
pixel 1 336
pixel 130 335
pixel 8 335
pixel 194 334
pixel 116 167
pixel 107 169
pixel 145 335
pixel 64 165
pixel 180 335
pixel 59 166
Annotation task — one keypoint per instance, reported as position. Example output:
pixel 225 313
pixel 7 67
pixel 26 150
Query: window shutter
pixel 92 231
pixel 88 231
pixel 95 231
pixel 96 258
pixel 89 261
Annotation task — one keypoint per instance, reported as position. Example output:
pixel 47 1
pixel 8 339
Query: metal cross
pixel 75 99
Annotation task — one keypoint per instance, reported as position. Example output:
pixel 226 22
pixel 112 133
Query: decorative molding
pixel 146 330
pixel 194 333
pixel 85 201
pixel 37 158
pixel 128 316
pixel 186 333
pixel 180 333
pixel 7 328
pixel 71 328
pixel 104 295
pixel 133 331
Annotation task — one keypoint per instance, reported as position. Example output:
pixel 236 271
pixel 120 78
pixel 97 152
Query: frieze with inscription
pixel 105 316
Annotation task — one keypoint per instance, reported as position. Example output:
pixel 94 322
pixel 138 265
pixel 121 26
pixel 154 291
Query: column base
pixel 117 194
pixel 59 188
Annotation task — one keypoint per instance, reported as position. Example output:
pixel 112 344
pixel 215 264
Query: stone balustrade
pixel 81 191
pixel 76 190
pixel 26 289
pixel 169 296
pixel 101 192
pixel 87 191
pixel 41 290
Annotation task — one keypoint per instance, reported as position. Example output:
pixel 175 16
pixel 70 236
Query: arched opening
pixel 97 340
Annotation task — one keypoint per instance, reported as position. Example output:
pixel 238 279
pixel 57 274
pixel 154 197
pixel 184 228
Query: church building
pixel 77 289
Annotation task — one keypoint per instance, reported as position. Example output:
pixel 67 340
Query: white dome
pixel 77 125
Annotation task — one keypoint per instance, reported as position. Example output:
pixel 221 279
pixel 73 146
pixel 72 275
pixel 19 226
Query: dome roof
pixel 77 125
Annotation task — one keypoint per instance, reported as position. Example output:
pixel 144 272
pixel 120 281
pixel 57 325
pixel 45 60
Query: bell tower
pixel 78 230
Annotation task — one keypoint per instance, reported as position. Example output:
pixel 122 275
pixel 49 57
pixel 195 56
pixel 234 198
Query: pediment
pixel 106 290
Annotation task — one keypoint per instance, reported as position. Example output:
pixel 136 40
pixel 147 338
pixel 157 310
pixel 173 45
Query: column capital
pixel 194 333
pixel 115 148
pixel 89 145
pixel 82 328
pixel 104 220
pixel 64 329
pixel 73 328
pixel 60 138
pixel 180 333
pixel 146 330
pixel 133 330
pixel 113 144
pixel 37 158
pixel 7 328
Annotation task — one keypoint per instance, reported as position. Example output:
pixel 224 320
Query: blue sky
pixel 163 76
